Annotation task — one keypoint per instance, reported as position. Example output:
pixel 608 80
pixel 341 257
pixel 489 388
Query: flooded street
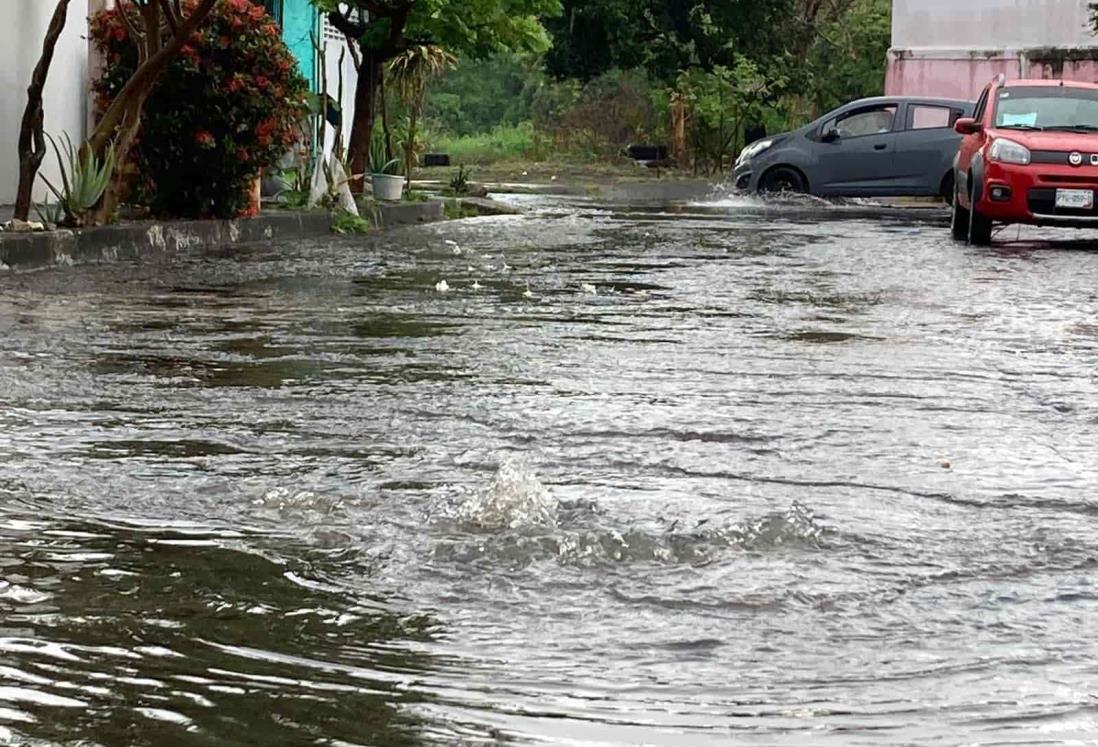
pixel 693 475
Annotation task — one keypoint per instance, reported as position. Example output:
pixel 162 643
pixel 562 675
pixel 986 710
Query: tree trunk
pixel 385 128
pixel 410 146
pixel 362 129
pixel 116 189
pixel 32 138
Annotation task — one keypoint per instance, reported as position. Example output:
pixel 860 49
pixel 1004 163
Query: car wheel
pixel 979 227
pixel 782 179
pixel 958 224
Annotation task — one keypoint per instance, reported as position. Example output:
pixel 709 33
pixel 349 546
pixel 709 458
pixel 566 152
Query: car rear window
pixel 928 117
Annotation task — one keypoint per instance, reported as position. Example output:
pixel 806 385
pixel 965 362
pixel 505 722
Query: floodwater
pixel 693 475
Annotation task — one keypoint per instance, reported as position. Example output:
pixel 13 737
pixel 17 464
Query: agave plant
pixel 380 163
pixel 84 179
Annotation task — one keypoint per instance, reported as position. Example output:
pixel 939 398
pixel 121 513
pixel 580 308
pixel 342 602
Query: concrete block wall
pixel 952 49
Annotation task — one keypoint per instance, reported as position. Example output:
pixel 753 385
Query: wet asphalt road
pixel 693 474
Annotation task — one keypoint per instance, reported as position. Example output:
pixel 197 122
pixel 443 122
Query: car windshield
pixel 1047 108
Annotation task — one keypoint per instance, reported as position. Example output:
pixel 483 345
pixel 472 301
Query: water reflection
pixel 140 635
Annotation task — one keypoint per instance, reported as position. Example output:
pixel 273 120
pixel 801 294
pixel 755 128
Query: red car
pixel 1029 155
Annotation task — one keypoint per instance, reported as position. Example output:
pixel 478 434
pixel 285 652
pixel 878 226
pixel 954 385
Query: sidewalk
pixel 135 241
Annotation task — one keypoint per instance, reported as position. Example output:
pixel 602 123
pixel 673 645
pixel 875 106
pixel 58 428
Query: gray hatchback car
pixel 879 147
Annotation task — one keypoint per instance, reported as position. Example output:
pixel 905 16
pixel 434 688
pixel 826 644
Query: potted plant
pixel 386 178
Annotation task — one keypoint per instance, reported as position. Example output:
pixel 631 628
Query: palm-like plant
pixel 411 72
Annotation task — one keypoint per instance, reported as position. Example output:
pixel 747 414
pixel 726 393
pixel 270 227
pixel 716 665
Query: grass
pixel 501 144
pixel 517 153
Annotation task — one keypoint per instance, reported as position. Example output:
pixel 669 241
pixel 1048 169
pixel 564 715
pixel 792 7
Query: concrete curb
pixel 394 214
pixel 132 241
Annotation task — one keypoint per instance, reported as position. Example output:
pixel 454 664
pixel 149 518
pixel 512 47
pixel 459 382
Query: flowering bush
pixel 231 103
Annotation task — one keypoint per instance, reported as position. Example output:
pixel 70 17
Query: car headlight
pixel 1008 151
pixel 753 150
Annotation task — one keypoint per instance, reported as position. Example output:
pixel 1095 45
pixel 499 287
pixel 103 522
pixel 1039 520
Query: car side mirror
pixel 831 135
pixel 967 126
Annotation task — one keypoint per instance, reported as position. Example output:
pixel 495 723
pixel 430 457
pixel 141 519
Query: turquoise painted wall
pixel 299 21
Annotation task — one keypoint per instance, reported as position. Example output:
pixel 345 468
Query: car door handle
pixel 881 146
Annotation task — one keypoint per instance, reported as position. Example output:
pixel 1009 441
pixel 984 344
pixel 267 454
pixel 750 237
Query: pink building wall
pixel 952 49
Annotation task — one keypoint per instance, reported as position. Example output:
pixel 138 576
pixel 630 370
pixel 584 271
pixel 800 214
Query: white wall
pixel 990 24
pixel 22 30
pixel 335 46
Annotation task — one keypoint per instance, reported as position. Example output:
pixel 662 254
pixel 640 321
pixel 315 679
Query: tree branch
pixel 173 26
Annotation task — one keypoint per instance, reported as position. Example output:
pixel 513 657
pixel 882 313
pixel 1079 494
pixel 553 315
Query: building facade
pixel 952 49
pixel 66 98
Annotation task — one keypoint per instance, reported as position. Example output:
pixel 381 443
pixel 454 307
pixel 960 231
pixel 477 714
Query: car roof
pixel 1032 82
pixel 911 100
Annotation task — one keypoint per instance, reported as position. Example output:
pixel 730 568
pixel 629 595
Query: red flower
pixel 204 139
pixel 262 81
pixel 119 34
pixel 263 132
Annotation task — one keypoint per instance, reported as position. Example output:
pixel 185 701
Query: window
pixel 274 8
pixel 860 122
pixel 1047 107
pixel 927 117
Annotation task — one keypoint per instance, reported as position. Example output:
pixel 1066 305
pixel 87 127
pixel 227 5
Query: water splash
pixel 515 498
pixel 577 536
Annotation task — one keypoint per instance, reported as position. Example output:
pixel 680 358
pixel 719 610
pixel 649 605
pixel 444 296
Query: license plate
pixel 1075 199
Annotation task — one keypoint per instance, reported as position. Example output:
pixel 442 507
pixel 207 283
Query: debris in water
pixel 476 285
pixel 590 289
pixel 442 286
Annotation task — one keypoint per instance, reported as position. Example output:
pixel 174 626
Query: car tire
pixel 959 221
pixel 782 179
pixel 979 227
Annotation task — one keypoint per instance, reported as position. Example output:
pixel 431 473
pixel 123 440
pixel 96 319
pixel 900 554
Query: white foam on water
pixel 515 498
pixel 160 714
pixel 21 595
pixel 10 714
pixel 37 697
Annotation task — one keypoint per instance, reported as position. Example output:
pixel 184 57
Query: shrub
pixel 230 104
pixel 610 112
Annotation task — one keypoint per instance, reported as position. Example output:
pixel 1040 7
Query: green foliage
pixel 477 28
pixel 457 210
pixel 722 103
pixel 814 55
pixel 846 59
pixel 229 105
pixel 601 118
pixel 297 182
pixel 459 185
pixel 84 179
pixel 478 95
pixel 501 143
pixel 344 223
pixel 594 36
pixel 380 161
pixel 50 213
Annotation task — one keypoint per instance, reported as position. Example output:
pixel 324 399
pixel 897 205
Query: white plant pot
pixel 389 188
